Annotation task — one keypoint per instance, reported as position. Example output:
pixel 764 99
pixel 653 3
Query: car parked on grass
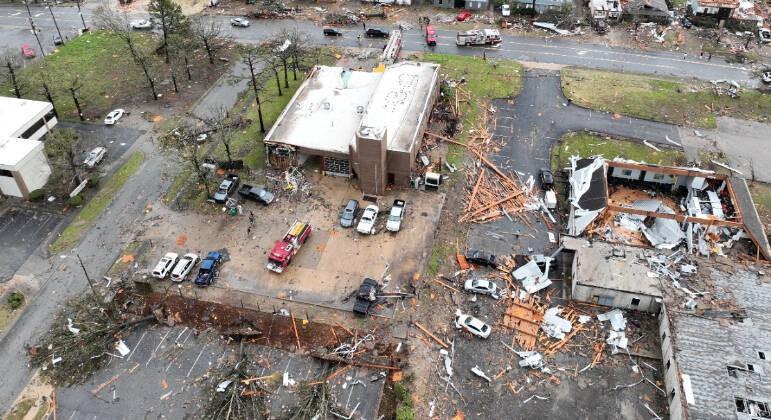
pixel 165 265
pixel 239 22
pixel 396 215
pixel 478 257
pixel 257 193
pixel 114 116
pixel 332 32
pixel 483 287
pixel 376 33
pixel 227 186
pixel 141 24
pixel 95 157
pixel 546 178
pixel 367 221
pixel 184 266
pixel 349 214
pixel 472 325
pixel 209 269
pixel 27 51
pixel 463 16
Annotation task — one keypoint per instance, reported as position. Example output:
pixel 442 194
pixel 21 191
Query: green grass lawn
pixel 100 61
pixel 88 214
pixel 586 144
pixel 761 195
pixel 660 99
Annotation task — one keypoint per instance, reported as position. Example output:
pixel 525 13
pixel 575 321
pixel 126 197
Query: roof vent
pixel 359 109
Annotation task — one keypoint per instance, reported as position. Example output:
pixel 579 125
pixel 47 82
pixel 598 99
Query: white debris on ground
pixel 555 326
pixel 617 336
pixel 531 276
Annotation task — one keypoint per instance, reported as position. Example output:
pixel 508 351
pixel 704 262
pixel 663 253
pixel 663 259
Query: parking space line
pixel 196 360
pixel 136 346
pixel 157 347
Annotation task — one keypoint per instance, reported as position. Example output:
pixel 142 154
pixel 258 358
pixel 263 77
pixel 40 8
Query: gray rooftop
pixel 706 344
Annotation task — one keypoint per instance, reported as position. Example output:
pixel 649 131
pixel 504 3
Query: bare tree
pixel 182 142
pixel 251 57
pixel 74 88
pixel 118 23
pixel 208 32
pixel 44 82
pixel 10 64
pixel 300 50
pixel 59 147
pixel 271 62
pixel 172 20
pixel 221 125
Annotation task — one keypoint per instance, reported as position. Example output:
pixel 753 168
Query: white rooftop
pixel 14 150
pixel 17 113
pixel 325 113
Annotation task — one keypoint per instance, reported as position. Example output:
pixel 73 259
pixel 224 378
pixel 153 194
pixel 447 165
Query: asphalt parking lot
pixel 21 232
pixel 116 139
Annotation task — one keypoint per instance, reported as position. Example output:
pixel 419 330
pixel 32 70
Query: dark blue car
pixel 209 269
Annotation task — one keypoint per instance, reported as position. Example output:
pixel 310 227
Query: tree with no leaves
pixel 182 143
pixel 271 62
pixel 251 57
pixel 60 149
pixel 172 20
pixel 11 63
pixel 118 23
pixel 208 32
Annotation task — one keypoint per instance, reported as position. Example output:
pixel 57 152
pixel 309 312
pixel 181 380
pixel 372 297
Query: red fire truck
pixel 284 250
pixel 430 36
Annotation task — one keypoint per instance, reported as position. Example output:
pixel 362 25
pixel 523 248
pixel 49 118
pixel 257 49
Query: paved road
pixel 15 27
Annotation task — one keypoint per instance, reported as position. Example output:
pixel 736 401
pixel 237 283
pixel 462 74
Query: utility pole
pixel 85 28
pixel 90 283
pixel 34 30
pixel 50 9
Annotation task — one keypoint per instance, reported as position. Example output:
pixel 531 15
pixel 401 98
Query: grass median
pixel 587 144
pixel 89 213
pixel 692 104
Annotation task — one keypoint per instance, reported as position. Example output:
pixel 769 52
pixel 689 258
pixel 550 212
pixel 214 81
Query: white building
pixel 25 119
pixel 605 9
pixel 23 166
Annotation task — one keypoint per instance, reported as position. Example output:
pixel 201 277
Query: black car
pixel 376 33
pixel 332 32
pixel 478 257
pixel 257 193
pixel 546 178
pixel 365 297
pixel 58 40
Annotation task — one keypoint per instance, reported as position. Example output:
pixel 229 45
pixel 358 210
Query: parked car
pixel 483 287
pixel 376 33
pixel 546 178
pixel 476 256
pixel 349 213
pixel 463 16
pixel 239 22
pixel 165 265
pixel 141 24
pixel 201 138
pixel 472 325
pixel 114 116
pixel 332 32
pixel 506 10
pixel 183 267
pixel 396 215
pixel 764 35
pixel 367 220
pixel 95 157
pixel 766 76
pixel 209 269
pixel 58 40
pixel 27 51
pixel 227 186
pixel 257 193
pixel 365 297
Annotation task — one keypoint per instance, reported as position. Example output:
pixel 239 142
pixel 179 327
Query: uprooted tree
pixel 236 394
pixel 80 341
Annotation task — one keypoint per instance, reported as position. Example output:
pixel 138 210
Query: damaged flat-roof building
pixel 363 124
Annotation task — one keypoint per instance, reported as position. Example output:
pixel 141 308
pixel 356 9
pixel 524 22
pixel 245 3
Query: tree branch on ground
pixel 315 401
pixel 182 142
pixel 242 397
pixel 222 126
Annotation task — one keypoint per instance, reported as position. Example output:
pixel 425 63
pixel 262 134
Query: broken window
pixel 635 302
pixel 626 172
pixel 762 355
pixel 754 408
pixel 669 363
pixel 663 335
pixel 604 300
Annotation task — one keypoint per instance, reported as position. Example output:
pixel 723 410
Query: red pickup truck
pixel 284 250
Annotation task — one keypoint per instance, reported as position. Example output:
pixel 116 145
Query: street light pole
pixel 34 30
pixel 56 24
pixel 85 28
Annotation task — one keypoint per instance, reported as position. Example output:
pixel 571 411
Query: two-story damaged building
pixel 367 125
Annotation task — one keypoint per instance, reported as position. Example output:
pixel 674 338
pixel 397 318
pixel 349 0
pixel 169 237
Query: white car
pixel 95 157
pixel 367 220
pixel 114 116
pixel 472 325
pixel 239 21
pixel 141 24
pixel 506 10
pixel 396 215
pixel 164 265
pixel 483 287
pixel 183 267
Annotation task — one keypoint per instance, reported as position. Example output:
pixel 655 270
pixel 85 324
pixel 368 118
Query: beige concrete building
pixel 361 124
pixel 23 167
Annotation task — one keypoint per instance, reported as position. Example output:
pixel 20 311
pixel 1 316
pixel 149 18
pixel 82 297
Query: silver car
pixel 483 287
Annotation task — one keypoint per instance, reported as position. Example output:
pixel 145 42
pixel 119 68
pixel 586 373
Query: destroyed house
pixel 366 125
pixel 720 9
pixel 647 9
pixel 663 207
pixel 605 9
